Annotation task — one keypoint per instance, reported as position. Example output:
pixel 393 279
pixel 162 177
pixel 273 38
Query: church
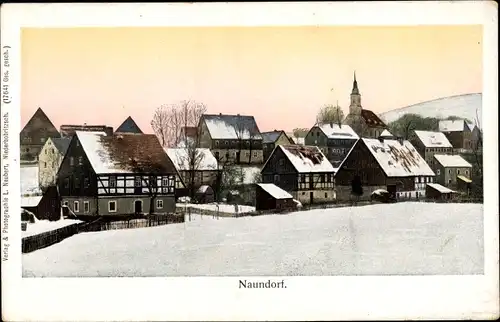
pixel 364 122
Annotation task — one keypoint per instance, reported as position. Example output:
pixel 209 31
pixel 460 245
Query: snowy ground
pixel 406 238
pixel 222 207
pixel 42 226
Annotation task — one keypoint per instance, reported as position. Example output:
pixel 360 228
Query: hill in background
pixel 463 106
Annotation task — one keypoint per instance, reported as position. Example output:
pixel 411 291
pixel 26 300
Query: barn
pixel 271 197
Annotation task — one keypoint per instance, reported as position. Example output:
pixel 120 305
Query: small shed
pixel 464 184
pixel 438 192
pixel 269 197
pixel 205 194
pixel 46 207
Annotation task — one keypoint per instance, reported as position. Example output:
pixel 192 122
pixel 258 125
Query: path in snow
pixel 405 238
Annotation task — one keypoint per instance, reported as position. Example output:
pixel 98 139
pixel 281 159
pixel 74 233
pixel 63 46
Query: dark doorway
pixel 392 189
pixel 138 206
pixel 311 197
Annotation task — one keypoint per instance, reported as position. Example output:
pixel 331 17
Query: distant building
pixel 272 139
pixel 116 175
pixel 429 143
pixel 453 171
pixel 458 133
pixel 231 138
pixel 364 122
pixel 68 130
pixel 334 140
pixel 34 135
pixel 50 160
pixel 129 127
pixel 271 197
pixel 438 192
pixel 393 165
pixel 302 171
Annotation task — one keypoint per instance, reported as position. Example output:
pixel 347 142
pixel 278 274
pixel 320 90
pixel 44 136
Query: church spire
pixel 355 89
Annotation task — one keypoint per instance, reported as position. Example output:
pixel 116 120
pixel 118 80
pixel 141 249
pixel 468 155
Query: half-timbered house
pixel 303 171
pixel 429 143
pixel 34 135
pixel 231 138
pixel 116 175
pixel 393 165
pixel 334 140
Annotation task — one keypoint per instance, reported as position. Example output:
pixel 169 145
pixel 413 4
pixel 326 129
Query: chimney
pixel 400 140
pixel 220 114
pixel 381 139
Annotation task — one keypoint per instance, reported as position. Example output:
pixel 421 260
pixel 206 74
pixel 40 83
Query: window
pixel 66 203
pixel 216 143
pixel 76 206
pixel 80 160
pixel 217 155
pixel 159 204
pixel 449 171
pixel 303 193
pixel 449 181
pixel 46 151
pixel 467 172
pixel 86 207
pixel 438 172
pixel 112 206
pixel 164 182
pixel 276 177
pixel 66 183
pixel 77 183
pixel 458 171
pixel 71 161
pixel 416 179
pixel 281 162
pixel 255 154
pixel 226 142
pixel 86 182
pixel 112 182
pixel 326 194
pixel 45 163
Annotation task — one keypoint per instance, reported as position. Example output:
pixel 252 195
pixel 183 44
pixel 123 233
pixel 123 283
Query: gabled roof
pixel 440 188
pixel 452 161
pixel 129 126
pixel 306 159
pixel 334 131
pixel 433 139
pixel 386 133
pixel 398 159
pixel 275 191
pixel 61 144
pixel 271 136
pixel 204 160
pixel 41 116
pixel 371 119
pixel 452 125
pixel 232 127
pixel 140 153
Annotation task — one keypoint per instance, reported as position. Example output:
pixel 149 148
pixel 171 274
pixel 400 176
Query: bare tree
pixel 330 114
pixel 478 189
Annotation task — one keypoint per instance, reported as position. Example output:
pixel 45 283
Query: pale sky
pixel 281 75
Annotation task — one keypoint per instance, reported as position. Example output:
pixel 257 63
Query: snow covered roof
pixel 334 131
pixel 433 139
pixel 386 133
pixel 129 126
pixel 232 127
pixel 182 159
pixel 29 180
pixel 271 137
pixel 398 159
pixel 307 159
pixel 275 191
pixel 299 140
pixel 452 161
pixel 452 125
pixel 32 201
pixel 440 188
pixel 141 153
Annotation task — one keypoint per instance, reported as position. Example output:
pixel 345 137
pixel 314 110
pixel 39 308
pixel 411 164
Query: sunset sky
pixel 282 76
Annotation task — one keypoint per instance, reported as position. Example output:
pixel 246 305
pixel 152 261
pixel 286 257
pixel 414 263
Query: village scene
pixel 210 193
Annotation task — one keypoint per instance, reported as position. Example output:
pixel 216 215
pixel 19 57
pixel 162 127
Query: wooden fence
pixel 32 243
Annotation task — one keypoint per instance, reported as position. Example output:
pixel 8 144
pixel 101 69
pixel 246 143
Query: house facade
pixel 116 175
pixel 452 171
pixel 364 122
pixel 302 171
pixel 234 139
pixel 50 159
pixel 334 140
pixel 34 135
pixel 271 140
pixel 458 133
pixel 429 143
pixel 393 165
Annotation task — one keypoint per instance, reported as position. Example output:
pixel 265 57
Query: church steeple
pixel 355 107
pixel 355 89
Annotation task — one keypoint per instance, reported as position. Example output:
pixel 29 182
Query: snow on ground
pixel 404 238
pixel 42 226
pixel 29 180
pixel 222 207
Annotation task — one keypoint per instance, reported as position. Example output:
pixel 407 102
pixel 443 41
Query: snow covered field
pixel 405 238
pixel 42 226
pixel 222 207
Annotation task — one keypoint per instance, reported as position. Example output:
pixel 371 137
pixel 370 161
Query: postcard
pixel 267 161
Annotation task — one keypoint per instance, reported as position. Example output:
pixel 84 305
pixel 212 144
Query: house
pixel 205 194
pixel 34 135
pixel 458 133
pixel 271 197
pixel 302 171
pixel 116 175
pixel 334 140
pixel 476 136
pixel 272 139
pixel 68 130
pixel 453 171
pixel 196 167
pixel 232 139
pixel 393 165
pixel 429 143
pixel 50 159
pixel 436 191
pixel 44 207
pixel 129 127
pixel 364 122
